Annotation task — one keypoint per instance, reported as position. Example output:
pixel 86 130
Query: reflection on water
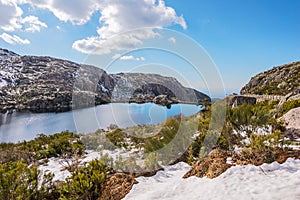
pixel 25 126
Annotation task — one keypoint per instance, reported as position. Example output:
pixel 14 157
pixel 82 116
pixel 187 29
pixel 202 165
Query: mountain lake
pixel 20 126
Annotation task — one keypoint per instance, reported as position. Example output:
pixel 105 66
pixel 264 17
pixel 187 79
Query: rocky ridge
pixel 4 54
pixel 280 80
pixel 46 84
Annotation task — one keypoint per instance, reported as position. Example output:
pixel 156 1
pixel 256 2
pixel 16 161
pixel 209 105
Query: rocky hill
pixel 45 84
pixel 4 53
pixel 280 80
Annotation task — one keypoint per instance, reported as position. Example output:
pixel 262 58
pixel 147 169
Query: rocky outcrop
pixel 4 54
pixel 165 100
pixel 295 95
pixel 45 84
pixel 237 100
pixel 280 80
pixel 117 186
pixel 292 119
pixel 138 87
pixel 211 166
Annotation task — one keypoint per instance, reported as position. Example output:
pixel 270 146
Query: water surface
pixel 20 126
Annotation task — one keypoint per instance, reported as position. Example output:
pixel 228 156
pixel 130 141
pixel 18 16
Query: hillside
pixel 279 80
pixel 45 84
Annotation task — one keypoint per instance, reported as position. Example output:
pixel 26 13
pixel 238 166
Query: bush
pixel 116 137
pixel 288 106
pixel 164 136
pixel 85 182
pixel 19 181
pixel 64 144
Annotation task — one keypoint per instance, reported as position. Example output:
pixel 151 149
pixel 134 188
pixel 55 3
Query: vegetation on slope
pixel 239 138
pixel 280 80
pixel 65 144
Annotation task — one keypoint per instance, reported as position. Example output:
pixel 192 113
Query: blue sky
pixel 242 38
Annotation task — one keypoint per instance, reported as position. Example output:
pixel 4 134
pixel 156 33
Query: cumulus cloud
pixel 33 24
pixel 123 42
pixel 10 15
pixel 13 39
pixel 77 12
pixel 11 18
pixel 119 16
pixel 130 57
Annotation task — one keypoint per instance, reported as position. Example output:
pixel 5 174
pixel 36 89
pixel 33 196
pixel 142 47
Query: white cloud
pixel 172 39
pixel 13 39
pixel 122 42
pixel 116 56
pixel 77 12
pixel 118 16
pixel 140 58
pixel 130 57
pixel 121 16
pixel 10 15
pixel 33 24
pixel 11 18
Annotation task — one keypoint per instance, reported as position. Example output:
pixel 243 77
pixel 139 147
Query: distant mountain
pixel 4 54
pixel 45 84
pixel 280 80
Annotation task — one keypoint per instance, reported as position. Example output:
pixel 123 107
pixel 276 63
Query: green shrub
pixel 85 182
pixel 19 181
pixel 288 106
pixel 117 137
pixel 164 136
pixel 64 144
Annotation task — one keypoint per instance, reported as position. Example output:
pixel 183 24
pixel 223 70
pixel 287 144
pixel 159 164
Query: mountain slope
pixel 45 84
pixel 280 80
pixel 4 54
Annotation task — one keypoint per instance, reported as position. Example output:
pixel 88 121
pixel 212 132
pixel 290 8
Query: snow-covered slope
pixel 268 181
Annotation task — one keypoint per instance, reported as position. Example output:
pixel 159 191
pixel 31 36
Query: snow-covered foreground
pixel 268 181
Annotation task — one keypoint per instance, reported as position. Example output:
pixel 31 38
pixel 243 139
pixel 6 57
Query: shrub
pixel 288 106
pixel 116 137
pixel 65 144
pixel 19 181
pixel 85 182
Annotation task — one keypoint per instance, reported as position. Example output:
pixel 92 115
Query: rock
pixel 117 186
pixel 280 80
pixel 295 95
pixel 5 54
pixel 165 100
pixel 211 166
pixel 130 87
pixel 237 100
pixel 292 119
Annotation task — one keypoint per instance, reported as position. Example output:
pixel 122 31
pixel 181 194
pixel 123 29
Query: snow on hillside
pixel 268 181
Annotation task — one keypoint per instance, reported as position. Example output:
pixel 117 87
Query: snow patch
pixel 56 166
pixel 268 181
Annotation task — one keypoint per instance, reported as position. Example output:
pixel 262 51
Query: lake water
pixel 20 126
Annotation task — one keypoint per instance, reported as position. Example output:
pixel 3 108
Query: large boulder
pixel 117 186
pixel 237 100
pixel 211 166
pixel 292 118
